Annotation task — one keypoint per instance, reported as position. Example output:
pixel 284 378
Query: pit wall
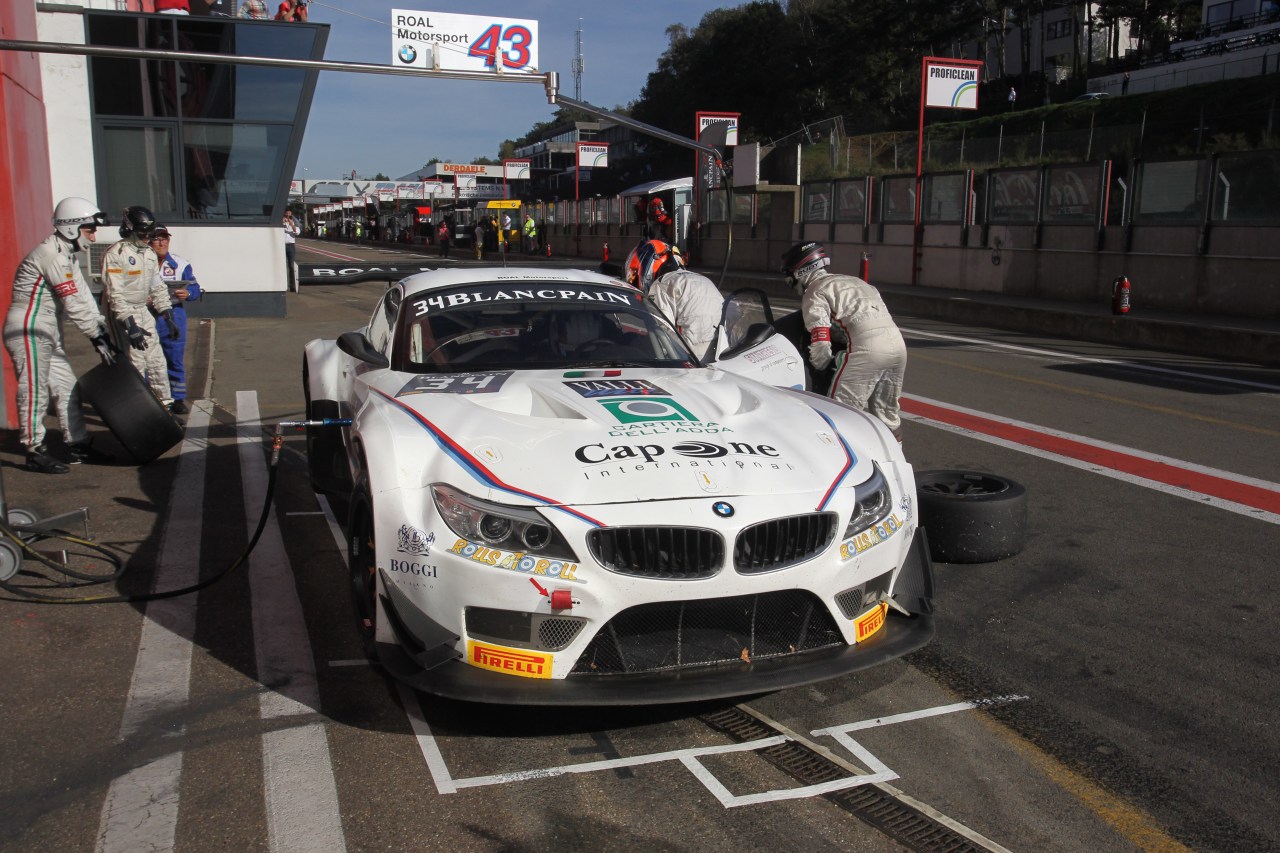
pixel 1237 276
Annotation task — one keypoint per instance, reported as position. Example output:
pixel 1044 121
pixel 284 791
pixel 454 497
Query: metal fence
pixel 1230 188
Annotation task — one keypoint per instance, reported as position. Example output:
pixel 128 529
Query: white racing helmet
pixel 74 213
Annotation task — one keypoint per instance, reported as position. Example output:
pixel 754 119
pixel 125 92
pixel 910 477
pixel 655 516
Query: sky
pixel 373 123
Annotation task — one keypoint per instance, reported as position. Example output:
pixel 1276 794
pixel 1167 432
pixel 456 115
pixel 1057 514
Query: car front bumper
pixel 448 676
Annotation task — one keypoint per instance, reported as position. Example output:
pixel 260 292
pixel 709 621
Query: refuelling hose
pixel 16 534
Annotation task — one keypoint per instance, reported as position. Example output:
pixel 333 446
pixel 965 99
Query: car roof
pixel 424 282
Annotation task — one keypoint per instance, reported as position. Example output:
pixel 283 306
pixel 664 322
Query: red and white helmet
pixel 650 261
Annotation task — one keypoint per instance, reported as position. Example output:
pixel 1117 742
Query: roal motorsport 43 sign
pixel 462 42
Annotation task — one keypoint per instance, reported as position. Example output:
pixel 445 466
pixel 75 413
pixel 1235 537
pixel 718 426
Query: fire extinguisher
pixel 605 259
pixel 548 245
pixel 1120 295
pixel 864 272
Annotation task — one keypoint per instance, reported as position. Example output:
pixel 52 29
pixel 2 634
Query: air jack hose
pixel 16 532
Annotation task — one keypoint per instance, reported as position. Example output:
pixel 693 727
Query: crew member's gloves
pixel 171 328
pixel 106 350
pixel 137 337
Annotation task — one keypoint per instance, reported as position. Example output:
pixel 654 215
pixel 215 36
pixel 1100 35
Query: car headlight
pixel 507 528
pixel 872 502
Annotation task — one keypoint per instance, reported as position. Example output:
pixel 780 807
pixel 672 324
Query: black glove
pixel 171 328
pixel 106 350
pixel 137 337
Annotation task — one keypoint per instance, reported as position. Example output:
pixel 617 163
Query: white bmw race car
pixel 553 502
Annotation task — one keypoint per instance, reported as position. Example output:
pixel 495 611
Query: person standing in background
pixel 291 232
pixel 131 287
pixel 180 278
pixel 444 235
pixel 530 235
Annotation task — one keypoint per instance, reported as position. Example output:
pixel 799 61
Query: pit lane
pixel 1018 773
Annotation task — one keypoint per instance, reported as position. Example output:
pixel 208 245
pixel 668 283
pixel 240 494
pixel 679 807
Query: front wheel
pixel 971 517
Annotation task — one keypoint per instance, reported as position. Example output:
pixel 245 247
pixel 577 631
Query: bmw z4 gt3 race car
pixel 552 501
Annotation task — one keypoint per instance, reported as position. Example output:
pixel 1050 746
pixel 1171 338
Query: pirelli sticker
pixel 868 623
pixel 521 662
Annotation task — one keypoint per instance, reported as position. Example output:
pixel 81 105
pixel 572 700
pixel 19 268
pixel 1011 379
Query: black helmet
pixel 137 222
pixel 804 257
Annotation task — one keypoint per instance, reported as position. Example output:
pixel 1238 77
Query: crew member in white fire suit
pixel 131 279
pixel 690 301
pixel 868 373
pixel 47 286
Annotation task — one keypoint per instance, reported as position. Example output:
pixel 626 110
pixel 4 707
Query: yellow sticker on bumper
pixel 870 622
pixel 521 662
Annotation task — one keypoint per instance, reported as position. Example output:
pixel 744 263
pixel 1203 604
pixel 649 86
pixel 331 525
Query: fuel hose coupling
pixel 277 441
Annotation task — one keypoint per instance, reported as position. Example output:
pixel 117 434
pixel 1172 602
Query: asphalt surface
pixel 1109 688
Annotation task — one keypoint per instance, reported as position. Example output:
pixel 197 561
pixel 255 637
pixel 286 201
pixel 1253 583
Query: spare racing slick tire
pixel 133 414
pixel 971 517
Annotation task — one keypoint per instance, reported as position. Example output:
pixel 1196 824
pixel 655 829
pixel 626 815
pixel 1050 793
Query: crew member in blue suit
pixel 183 287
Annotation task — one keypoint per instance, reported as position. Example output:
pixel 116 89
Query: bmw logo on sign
pixel 408 53
pixel 724 509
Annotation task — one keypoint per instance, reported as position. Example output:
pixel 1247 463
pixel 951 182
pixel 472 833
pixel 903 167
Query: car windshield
pixel 532 325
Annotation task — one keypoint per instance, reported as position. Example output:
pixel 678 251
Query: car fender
pixel 324 361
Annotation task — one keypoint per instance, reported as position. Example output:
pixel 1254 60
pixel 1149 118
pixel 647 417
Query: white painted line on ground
pixel 301 794
pixel 730 800
pixel 617 763
pixel 141 807
pixel 281 644
pixel 426 741
pixel 408 700
pixel 917 715
pixel 1114 362
pixel 302 799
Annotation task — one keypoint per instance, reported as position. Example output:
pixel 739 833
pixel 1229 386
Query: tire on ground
pixel 971 517
pixel 126 405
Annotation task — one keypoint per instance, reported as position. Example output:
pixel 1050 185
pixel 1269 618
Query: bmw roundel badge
pixel 724 509
pixel 408 53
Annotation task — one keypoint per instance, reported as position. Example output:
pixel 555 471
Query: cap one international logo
pixel 408 53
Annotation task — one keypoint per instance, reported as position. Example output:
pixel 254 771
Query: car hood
pixel 606 436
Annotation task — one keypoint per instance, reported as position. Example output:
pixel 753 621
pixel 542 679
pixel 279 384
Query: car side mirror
pixel 757 333
pixel 356 345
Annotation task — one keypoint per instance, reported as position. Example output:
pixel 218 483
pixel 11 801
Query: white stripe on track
pixel 1092 359
pixel 141 809
pixel 301 794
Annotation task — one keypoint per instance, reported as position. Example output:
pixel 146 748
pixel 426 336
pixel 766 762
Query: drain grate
pixel 869 803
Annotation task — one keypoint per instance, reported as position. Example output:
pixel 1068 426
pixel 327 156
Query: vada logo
pixel 643 409
pixel 724 509
pixel 408 53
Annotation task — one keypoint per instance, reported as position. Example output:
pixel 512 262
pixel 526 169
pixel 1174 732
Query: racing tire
pixel 362 563
pixel 326 456
pixel 133 414
pixel 971 517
